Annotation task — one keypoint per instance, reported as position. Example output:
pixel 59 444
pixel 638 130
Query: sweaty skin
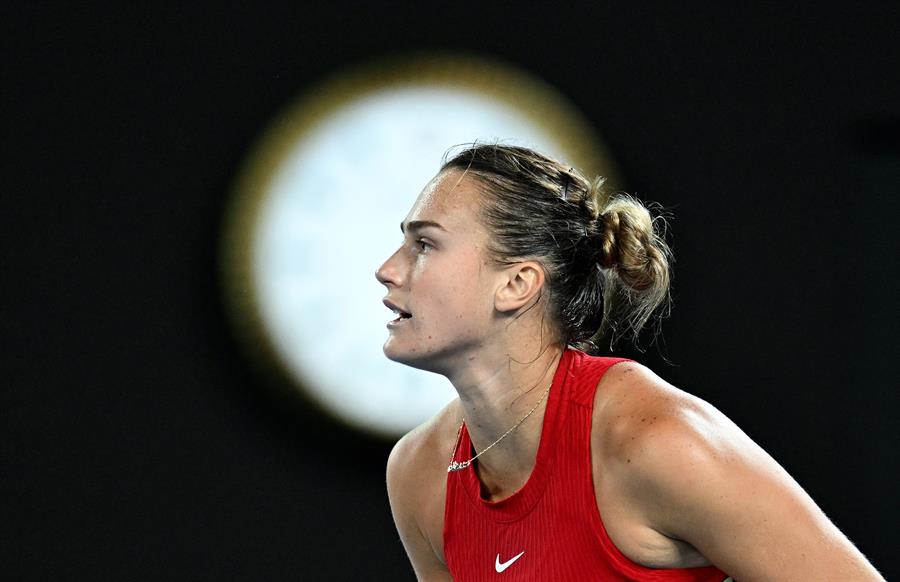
pixel 681 485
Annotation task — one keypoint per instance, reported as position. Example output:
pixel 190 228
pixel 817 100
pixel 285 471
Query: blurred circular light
pixel 317 205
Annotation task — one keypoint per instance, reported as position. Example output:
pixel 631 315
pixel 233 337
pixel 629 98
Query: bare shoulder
pixel 655 440
pixel 417 463
pixel 416 446
pixel 687 473
pixel 416 474
pixel 638 415
pixel 639 419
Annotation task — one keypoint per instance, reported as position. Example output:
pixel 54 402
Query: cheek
pixel 452 288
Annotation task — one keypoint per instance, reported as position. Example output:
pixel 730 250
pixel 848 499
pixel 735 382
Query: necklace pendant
pixel 454 466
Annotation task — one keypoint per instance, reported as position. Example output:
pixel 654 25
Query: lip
pixel 399 311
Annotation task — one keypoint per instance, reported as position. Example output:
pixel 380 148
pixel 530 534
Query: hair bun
pixel 629 243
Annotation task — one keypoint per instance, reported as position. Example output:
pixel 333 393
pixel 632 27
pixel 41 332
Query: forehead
pixel 451 199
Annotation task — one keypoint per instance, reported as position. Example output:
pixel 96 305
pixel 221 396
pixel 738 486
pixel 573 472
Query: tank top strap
pixel 584 375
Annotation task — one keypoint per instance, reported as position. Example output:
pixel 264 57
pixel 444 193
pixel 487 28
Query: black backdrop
pixel 136 443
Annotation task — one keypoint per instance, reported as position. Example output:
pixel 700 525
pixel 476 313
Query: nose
pixel 389 273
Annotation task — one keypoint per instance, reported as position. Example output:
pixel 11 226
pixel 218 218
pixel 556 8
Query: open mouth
pixel 401 314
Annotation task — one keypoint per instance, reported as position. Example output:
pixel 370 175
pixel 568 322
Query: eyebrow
pixel 416 225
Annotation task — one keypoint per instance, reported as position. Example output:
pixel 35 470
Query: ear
pixel 520 285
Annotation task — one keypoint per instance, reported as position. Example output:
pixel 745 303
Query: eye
pixel 424 245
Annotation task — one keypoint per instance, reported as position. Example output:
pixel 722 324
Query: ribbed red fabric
pixel 553 521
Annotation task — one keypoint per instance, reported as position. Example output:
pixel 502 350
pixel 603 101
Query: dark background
pixel 137 444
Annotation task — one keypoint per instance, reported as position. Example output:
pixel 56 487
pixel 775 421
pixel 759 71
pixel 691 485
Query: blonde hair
pixel 607 262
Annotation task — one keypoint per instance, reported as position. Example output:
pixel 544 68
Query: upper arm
pixel 405 492
pixel 707 483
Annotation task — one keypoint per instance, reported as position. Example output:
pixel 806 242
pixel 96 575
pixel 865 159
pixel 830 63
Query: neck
pixel 495 392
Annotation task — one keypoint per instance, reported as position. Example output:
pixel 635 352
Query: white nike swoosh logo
pixel 500 567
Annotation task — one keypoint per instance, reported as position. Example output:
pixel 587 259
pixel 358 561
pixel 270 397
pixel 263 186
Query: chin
pixel 412 357
pixel 401 355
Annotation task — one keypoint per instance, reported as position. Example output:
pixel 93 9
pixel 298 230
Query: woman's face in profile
pixel 440 281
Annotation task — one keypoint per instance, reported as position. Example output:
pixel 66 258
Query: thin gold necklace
pixel 456 466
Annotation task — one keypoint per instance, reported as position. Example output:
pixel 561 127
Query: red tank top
pixel 550 529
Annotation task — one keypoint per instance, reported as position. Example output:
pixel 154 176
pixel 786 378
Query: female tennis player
pixel 554 464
